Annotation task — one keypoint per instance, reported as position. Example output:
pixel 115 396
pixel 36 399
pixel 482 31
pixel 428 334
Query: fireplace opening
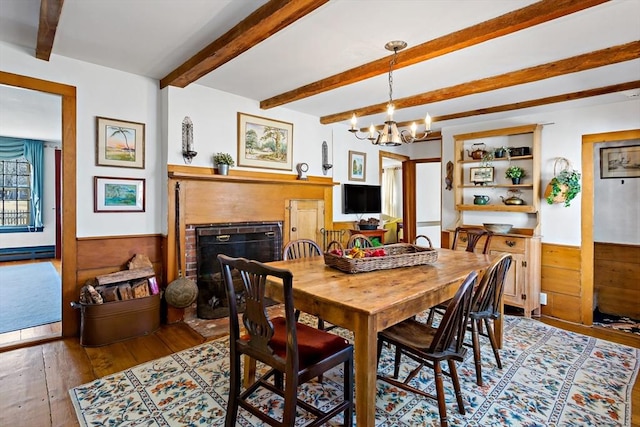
pixel 261 241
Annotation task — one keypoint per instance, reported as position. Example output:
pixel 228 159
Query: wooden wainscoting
pixel 616 270
pixel 561 282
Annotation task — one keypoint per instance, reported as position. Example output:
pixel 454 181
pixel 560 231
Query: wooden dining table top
pixel 366 303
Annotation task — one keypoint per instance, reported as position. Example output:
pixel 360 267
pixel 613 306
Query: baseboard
pixel 25 253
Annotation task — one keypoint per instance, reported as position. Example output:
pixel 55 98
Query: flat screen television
pixel 360 199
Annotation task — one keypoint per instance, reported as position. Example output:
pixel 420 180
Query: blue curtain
pixel 33 151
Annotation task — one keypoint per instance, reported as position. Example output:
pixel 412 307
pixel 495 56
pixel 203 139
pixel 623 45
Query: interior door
pixel 428 200
pixel 306 218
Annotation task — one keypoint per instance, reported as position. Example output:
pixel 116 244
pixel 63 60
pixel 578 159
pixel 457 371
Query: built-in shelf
pixel 501 159
pixel 497 208
pixel 514 186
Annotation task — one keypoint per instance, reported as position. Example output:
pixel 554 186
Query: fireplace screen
pixel 261 241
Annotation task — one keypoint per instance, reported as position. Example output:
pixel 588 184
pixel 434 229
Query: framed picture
pixel 481 175
pixel 357 166
pixel 118 194
pixel 119 143
pixel 620 162
pixel 264 143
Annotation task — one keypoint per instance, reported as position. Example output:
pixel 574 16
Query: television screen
pixel 360 199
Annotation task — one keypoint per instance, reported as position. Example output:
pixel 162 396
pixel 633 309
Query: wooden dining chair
pixel 359 240
pixel 295 353
pixel 430 346
pixel 485 307
pixel 472 237
pixel 302 248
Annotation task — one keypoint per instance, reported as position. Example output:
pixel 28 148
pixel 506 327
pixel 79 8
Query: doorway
pixel 69 324
pixel 393 200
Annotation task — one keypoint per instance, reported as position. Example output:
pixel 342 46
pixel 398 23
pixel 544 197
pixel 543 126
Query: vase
pixel 223 169
pixel 515 181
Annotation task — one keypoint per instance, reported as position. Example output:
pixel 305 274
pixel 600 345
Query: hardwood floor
pixel 14 339
pixel 34 381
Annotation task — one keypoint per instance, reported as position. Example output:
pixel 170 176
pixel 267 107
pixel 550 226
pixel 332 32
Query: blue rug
pixel 30 295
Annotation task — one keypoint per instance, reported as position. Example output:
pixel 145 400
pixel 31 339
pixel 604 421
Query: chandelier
pixel 390 135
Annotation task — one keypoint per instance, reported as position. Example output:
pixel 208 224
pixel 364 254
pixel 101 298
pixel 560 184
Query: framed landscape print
pixel 481 175
pixel 119 143
pixel 357 166
pixel 118 194
pixel 620 162
pixel 264 143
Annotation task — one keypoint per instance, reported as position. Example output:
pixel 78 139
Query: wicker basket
pixel 399 255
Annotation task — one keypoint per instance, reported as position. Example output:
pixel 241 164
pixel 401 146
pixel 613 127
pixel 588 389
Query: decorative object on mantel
pixel 516 173
pixel 222 162
pixel 390 135
pixel 325 158
pixel 187 141
pixel 302 171
pixel 565 184
pixel 181 292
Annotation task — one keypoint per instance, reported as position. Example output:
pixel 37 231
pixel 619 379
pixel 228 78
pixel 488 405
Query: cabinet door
pixel 514 284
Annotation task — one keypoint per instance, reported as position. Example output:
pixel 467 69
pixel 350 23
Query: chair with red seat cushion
pixel 296 353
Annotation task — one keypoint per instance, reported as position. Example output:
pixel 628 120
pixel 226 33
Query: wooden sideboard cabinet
pixel 522 288
pixel 484 178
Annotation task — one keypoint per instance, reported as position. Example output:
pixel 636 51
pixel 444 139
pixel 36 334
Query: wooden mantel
pixel 208 198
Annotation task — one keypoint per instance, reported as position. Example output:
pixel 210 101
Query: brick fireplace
pixel 259 240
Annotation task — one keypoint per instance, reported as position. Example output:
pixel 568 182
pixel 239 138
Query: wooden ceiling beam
pixel 261 24
pixel 511 22
pixel 572 96
pixel 587 61
pixel 50 11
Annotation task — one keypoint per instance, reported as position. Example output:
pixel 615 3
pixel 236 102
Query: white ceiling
pixel 153 37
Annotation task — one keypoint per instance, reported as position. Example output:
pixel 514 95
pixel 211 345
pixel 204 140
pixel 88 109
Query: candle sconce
pixel 187 141
pixel 325 158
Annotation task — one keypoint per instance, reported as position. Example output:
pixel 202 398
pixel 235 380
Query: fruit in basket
pixel 336 252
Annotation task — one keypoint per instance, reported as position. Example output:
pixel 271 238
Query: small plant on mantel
pixel 223 159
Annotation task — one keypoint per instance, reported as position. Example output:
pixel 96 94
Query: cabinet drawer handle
pixel 510 243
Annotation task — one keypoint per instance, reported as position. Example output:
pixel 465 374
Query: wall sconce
pixel 325 158
pixel 187 141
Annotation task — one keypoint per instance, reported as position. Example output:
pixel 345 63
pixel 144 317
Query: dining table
pixel 368 302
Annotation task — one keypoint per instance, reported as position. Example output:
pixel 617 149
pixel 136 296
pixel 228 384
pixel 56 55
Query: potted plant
pixel 223 161
pixel 501 152
pixel 563 187
pixel 515 173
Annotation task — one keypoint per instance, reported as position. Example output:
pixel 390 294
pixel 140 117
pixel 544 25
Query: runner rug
pixel 550 377
pixel 30 295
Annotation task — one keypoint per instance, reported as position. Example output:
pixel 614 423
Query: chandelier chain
pixel 391 64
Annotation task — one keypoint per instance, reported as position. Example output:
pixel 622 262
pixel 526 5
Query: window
pixel 15 177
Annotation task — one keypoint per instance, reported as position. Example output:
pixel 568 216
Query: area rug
pixel 619 323
pixel 30 295
pixel 550 377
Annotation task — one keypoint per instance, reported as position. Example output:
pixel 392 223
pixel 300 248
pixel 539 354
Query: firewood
pixel 125 275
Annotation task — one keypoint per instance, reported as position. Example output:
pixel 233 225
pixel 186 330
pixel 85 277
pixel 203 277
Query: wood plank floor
pixel 34 381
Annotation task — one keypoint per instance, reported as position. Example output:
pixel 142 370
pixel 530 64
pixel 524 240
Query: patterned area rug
pixel 619 323
pixel 550 377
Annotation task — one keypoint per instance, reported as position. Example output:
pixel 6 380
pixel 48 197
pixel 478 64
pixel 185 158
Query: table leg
pixel 365 337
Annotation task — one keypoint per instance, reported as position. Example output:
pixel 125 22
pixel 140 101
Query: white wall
pixel 107 93
pixel 561 137
pixel 110 93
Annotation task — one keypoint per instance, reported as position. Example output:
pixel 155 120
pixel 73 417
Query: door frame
pixel 586 247
pixel 70 318
pixel 408 203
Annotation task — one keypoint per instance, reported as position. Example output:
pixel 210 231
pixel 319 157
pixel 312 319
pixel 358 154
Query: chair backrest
pixel 259 329
pixel 486 298
pixel 449 337
pixel 329 236
pixel 473 236
pixel 359 240
pixel 301 248
pixel 422 236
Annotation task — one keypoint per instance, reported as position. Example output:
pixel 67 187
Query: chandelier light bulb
pixel 354 121
pixel 390 111
pixel 414 127
pixel 427 122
